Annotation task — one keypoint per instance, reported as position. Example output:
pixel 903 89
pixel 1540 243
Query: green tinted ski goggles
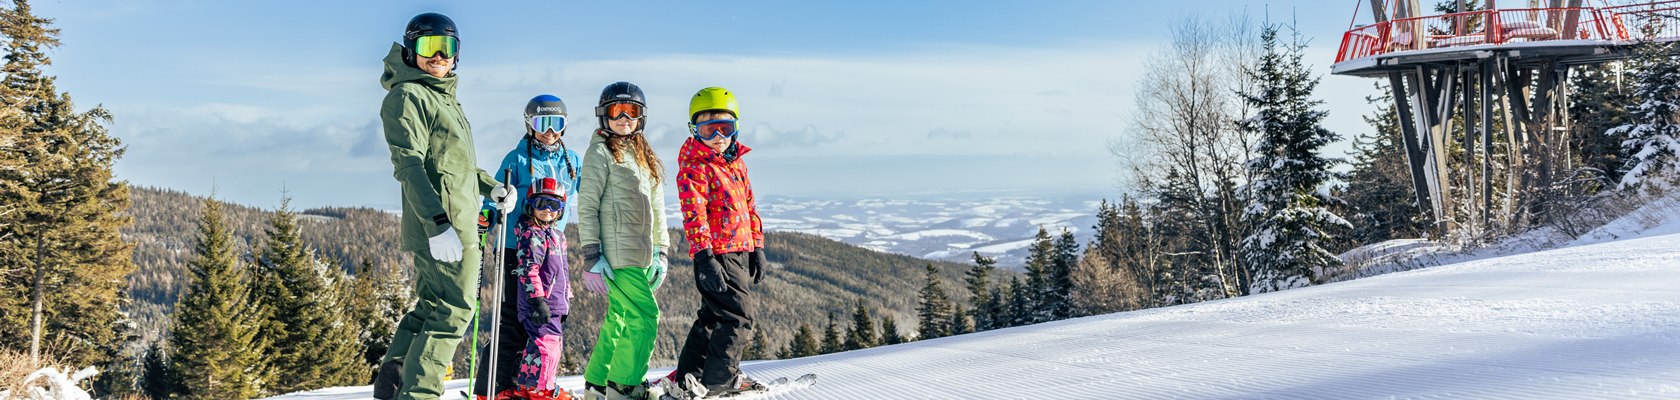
pixel 428 46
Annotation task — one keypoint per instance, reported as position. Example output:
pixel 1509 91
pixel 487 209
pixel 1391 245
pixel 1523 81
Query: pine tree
pixel 934 312
pixel 804 343
pixel 889 331
pixel 157 380
pixel 312 346
pixel 1599 100
pixel 1653 134
pixel 959 323
pixel 1020 303
pixel 758 348
pixel 1041 261
pixel 831 341
pixel 862 333
pixel 978 278
pixel 998 312
pixel 1291 220
pixel 217 352
pixel 1061 276
pixel 1379 188
pixel 382 295
pixel 61 211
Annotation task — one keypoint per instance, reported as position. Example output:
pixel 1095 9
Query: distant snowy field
pixel 1598 320
pixel 946 229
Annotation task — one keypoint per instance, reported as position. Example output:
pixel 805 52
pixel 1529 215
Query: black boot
pixel 389 381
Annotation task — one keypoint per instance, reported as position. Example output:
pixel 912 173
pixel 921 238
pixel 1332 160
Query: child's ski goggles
pixel 428 46
pixel 619 110
pixel 546 203
pixel 713 129
pixel 547 123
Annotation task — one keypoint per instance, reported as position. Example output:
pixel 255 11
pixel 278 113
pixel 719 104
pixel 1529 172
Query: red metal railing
pixel 1654 20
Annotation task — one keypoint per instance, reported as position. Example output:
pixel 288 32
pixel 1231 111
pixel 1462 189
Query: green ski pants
pixel 628 331
pixel 427 336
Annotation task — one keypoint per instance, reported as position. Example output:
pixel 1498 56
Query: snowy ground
pixel 1598 320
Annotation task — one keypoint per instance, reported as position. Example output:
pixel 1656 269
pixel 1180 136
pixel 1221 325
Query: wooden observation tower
pixel 1511 62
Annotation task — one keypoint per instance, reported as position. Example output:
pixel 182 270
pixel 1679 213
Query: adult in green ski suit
pixel 432 154
pixel 621 228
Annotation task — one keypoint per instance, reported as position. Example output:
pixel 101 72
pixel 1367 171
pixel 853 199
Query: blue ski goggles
pixel 547 123
pixel 713 129
pixel 545 203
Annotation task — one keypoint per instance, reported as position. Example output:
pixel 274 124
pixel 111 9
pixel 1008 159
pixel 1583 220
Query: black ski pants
pixel 722 327
pixel 512 334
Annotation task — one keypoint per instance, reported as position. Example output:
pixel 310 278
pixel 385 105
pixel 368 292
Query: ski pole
pixel 496 316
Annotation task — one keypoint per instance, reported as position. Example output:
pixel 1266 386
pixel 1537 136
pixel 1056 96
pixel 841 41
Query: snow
pixel 1596 317
pixel 1598 320
pixel 51 384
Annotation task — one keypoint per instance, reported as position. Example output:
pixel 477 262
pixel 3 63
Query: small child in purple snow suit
pixel 544 284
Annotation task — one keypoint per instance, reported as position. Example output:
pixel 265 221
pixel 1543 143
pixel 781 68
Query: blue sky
pixel 839 98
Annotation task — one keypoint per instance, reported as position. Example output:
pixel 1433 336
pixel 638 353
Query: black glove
pixel 538 310
pixel 708 275
pixel 755 264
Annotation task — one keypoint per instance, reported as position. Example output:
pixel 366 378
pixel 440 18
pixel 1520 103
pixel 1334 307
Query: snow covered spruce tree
pixel 1288 213
pixel 314 344
pixel 1653 135
pixel 62 256
pixel 217 351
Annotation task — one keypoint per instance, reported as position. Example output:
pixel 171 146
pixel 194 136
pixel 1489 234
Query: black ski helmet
pixel 619 92
pixel 427 24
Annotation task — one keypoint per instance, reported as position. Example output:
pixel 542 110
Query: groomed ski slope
pixel 1592 321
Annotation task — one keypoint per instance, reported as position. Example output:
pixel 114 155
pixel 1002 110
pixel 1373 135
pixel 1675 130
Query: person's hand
pixel 656 272
pixel 755 264
pixel 602 268
pixel 708 275
pixel 504 198
pixel 537 310
pixel 446 246
pixel 592 282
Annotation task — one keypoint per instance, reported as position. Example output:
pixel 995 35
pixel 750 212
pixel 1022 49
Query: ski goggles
pixel 619 110
pixel 713 129
pixel 428 46
pixel 547 123
pixel 546 203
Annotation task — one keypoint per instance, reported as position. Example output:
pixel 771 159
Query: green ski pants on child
pixel 628 331
pixel 427 335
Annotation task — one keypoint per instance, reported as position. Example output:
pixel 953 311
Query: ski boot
pixel 616 391
pixel 389 380
pixel 742 384
pixel 594 392
pixel 673 387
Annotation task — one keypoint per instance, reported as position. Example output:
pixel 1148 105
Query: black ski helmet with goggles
pixel 620 92
pixel 427 24
pixel 545 105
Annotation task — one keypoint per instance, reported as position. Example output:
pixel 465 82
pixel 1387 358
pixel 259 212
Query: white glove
pixel 503 196
pixel 446 246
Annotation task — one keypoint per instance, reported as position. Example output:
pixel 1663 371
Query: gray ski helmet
pixel 545 104
pixel 427 24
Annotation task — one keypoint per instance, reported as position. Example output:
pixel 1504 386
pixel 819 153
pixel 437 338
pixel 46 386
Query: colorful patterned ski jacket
pixel 542 273
pixel 718 209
